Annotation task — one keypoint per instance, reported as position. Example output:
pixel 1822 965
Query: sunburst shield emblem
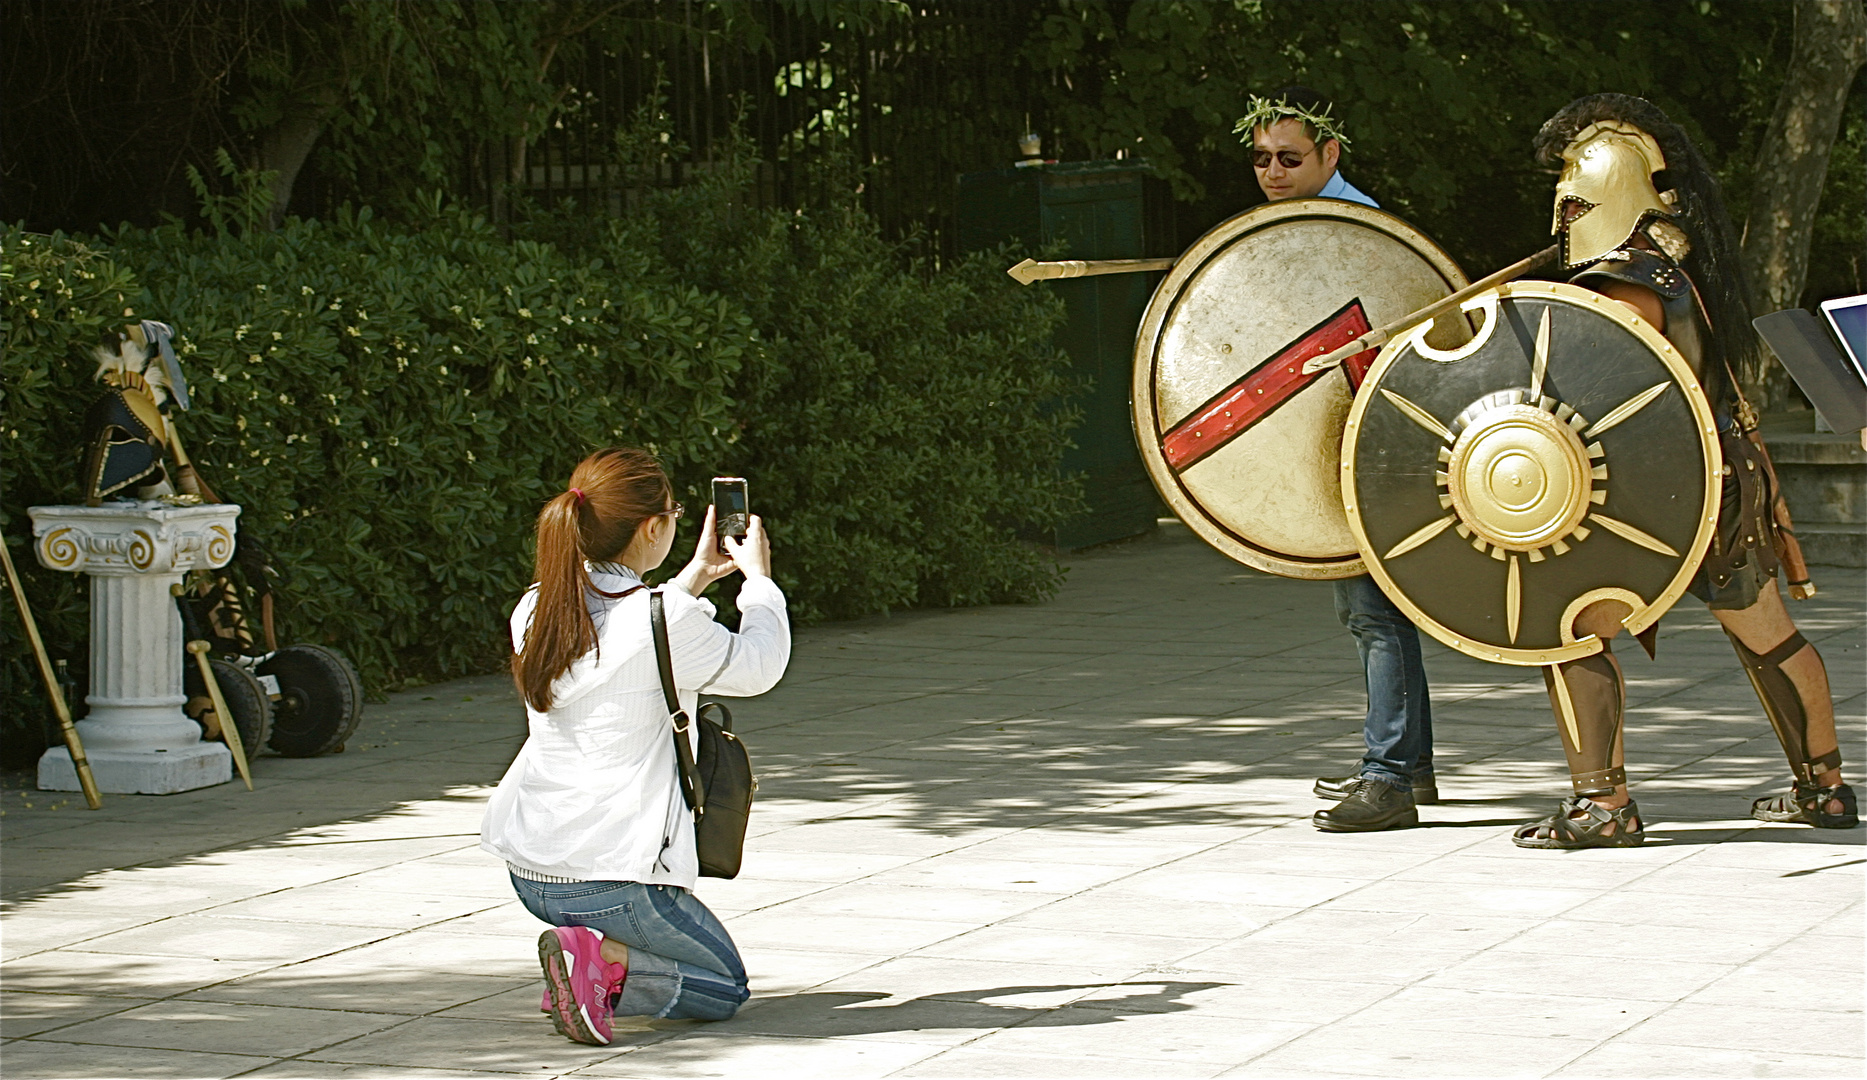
pixel 1562 456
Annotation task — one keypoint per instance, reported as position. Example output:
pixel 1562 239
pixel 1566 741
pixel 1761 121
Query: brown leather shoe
pixel 1425 788
pixel 1372 806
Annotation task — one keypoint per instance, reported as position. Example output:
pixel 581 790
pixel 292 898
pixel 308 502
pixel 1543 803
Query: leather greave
pixel 1784 706
pixel 1588 696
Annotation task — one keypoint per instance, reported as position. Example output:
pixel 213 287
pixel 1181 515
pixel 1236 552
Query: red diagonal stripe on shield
pixel 1232 411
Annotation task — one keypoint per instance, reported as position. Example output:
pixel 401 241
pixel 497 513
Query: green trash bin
pixel 1095 208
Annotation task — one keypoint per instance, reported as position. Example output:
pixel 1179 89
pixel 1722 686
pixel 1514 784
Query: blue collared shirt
pixel 1338 188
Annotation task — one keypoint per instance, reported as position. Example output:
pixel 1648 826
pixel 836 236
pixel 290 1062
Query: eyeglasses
pixel 1289 159
pixel 674 512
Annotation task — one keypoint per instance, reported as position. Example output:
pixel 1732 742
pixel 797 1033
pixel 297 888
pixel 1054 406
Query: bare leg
pixel 615 952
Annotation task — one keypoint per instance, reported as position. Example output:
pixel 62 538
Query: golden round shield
pixel 1242 445
pixel 1564 455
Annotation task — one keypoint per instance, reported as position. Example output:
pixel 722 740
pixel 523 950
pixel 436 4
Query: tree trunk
pixel 1792 163
pixel 287 144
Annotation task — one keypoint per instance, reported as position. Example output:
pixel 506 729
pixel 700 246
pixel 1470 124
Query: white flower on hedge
pixel 525 313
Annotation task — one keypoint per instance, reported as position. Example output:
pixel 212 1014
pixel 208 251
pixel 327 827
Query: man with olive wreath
pixel 1296 144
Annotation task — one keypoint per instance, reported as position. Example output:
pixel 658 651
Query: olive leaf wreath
pixel 1263 112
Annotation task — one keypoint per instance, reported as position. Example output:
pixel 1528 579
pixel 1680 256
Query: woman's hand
pixel 708 565
pixel 753 554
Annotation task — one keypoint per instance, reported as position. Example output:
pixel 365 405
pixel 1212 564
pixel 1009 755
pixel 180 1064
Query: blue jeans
pixel 1399 726
pixel 682 963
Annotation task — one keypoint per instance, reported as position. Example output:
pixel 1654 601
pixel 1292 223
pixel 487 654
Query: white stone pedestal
pixel 137 737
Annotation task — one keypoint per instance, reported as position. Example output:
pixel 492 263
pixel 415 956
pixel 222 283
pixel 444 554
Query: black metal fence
pixel 886 110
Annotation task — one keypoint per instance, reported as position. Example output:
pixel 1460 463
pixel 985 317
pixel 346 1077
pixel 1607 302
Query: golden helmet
pixel 1608 170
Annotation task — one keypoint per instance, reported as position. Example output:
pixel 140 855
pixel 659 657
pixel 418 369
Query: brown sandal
pixel 1565 832
pixel 1808 805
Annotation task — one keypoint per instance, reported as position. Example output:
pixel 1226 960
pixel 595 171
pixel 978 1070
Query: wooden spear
pixel 1031 270
pixel 52 690
pixel 1380 335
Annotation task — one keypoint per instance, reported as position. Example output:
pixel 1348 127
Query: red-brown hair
pixel 611 493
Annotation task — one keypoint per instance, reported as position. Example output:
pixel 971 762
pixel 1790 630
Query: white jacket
pixel 592 795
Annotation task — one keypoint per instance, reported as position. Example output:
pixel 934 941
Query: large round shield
pixel 1563 456
pixel 1242 445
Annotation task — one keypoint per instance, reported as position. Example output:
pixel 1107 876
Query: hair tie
pixel 578 492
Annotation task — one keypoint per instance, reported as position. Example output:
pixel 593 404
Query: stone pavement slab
pixel 1068 839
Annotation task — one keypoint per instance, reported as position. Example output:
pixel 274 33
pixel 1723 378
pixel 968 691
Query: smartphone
pixel 730 517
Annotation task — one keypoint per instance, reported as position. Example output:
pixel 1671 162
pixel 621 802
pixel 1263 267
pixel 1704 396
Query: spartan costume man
pixel 1639 219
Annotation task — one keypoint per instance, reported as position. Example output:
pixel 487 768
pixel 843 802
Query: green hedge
pixel 391 404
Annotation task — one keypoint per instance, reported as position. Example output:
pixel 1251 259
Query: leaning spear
pixel 52 690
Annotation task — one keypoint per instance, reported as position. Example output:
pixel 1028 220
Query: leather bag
pixel 717 783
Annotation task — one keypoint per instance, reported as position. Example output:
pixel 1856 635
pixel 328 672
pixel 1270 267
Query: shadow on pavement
pixel 820 1014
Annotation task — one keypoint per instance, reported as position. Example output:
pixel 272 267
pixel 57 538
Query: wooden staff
pixel 52 690
pixel 198 647
pixel 186 478
pixel 1380 335
pixel 1031 270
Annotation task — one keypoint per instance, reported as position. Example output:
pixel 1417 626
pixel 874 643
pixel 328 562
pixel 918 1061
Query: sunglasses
pixel 674 512
pixel 1289 159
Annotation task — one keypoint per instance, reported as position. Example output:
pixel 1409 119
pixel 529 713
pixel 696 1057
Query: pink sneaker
pixel 578 983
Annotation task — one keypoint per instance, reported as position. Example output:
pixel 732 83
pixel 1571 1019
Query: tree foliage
pixel 401 96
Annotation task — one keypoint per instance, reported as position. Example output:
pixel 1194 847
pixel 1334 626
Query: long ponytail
pixel 611 493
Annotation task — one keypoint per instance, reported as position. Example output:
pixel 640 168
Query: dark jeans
pixel 1399 726
pixel 682 963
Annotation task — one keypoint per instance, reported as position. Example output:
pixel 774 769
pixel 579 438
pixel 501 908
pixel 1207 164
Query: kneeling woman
pixel 590 819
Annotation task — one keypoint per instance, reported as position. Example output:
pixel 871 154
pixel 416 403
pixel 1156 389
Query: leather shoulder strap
pixel 663 658
pixel 685 768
